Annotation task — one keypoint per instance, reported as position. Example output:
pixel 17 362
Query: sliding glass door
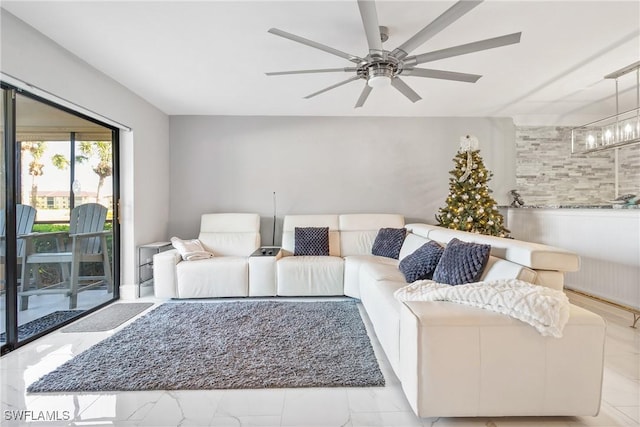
pixel 59 237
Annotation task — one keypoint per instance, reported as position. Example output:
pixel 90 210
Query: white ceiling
pixel 209 57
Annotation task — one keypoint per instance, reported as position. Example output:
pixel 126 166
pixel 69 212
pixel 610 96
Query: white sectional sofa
pixel 452 359
pixel 456 360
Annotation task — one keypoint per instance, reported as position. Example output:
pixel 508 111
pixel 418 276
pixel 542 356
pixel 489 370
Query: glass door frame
pixel 11 180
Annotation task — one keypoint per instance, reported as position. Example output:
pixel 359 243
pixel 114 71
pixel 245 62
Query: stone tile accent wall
pixel 547 172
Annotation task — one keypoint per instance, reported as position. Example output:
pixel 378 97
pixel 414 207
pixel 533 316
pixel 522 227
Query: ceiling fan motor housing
pixel 378 71
pixel 381 70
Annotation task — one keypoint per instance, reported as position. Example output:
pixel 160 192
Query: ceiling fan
pixel 381 67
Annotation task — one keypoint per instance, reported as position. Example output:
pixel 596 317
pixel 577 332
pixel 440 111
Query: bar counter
pixel 607 238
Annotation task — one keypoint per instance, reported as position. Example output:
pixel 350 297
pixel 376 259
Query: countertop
pixel 576 206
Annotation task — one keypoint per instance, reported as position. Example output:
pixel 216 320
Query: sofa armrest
pixel 164 274
pixel 457 361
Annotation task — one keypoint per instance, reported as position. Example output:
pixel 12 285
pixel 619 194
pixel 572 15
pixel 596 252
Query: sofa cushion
pixel 230 234
pixel 213 278
pixel 498 268
pixel 359 231
pixel 422 263
pixel 411 243
pixel 311 241
pixel 290 222
pixel 372 272
pixel 389 242
pixel 532 255
pixel 461 262
pixel 352 265
pixel 310 275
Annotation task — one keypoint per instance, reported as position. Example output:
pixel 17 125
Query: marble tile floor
pixel 349 407
pixel 41 305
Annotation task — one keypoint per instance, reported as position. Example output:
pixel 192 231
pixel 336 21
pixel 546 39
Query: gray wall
pixel 324 165
pixel 547 172
pixel 144 153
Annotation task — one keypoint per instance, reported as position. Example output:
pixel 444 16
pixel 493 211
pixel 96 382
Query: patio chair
pixel 25 217
pixel 85 242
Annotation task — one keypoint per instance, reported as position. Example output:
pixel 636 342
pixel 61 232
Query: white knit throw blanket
pixel 544 308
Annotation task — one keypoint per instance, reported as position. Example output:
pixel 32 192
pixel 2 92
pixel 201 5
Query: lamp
pixel 379 81
pixel 613 132
pixel 380 75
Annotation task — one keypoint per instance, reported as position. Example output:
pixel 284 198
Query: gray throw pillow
pixel 421 264
pixel 462 262
pixel 389 242
pixel 311 241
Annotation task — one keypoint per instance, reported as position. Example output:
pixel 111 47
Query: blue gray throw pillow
pixel 462 262
pixel 389 242
pixel 422 262
pixel 311 241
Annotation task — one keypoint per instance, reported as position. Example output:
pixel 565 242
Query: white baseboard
pixel 129 292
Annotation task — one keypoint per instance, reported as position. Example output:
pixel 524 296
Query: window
pixel 56 160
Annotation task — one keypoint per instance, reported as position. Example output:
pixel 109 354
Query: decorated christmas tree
pixel 470 206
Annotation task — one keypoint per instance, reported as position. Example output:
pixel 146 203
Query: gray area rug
pixel 108 318
pixel 229 345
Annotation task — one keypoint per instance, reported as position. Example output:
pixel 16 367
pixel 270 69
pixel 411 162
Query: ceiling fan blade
pixel 406 90
pixel 441 74
pixel 354 78
pixel 463 49
pixel 317 45
pixel 371 27
pixel 440 23
pixel 321 70
pixel 363 96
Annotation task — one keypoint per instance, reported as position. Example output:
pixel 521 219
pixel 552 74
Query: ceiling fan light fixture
pixel 380 76
pixel 379 81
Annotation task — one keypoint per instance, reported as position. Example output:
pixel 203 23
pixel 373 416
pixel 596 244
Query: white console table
pixel 262 271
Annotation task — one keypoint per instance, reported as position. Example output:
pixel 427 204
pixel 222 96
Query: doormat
pixel 108 318
pixel 43 323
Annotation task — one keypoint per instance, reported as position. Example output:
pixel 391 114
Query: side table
pixel 262 271
pixel 145 262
